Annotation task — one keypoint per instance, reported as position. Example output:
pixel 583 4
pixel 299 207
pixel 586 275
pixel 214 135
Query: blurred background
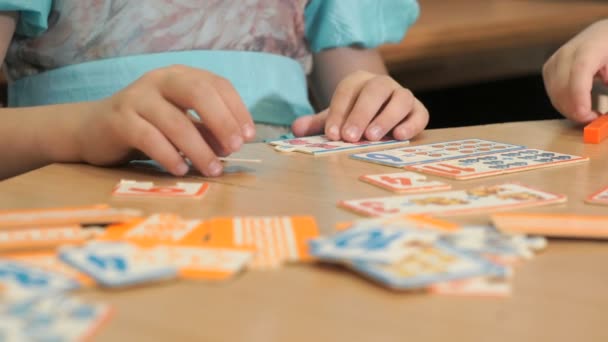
pixel 479 61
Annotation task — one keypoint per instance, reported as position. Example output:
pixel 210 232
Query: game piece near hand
pixel 497 164
pixel 132 188
pixel 484 198
pixel 599 197
pixel 404 182
pixel 321 145
pixel 428 153
pixel 596 131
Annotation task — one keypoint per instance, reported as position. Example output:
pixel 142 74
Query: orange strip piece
pixel 596 131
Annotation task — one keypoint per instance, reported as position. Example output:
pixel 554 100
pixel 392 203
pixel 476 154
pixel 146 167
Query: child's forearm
pixel 37 136
pixel 331 66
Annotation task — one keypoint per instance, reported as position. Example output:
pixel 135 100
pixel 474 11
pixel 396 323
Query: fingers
pixel 180 131
pixel 342 102
pixel 399 106
pixel 310 124
pixel 148 139
pixel 414 123
pixel 237 108
pixel 584 69
pixel 193 90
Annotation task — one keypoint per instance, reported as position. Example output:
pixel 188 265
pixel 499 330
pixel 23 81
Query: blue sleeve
pixel 33 19
pixel 366 23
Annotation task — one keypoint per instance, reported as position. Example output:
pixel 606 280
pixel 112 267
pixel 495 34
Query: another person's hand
pixel 569 74
pixel 367 106
pixel 150 116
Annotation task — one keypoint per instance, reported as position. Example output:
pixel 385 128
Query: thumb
pixel 309 124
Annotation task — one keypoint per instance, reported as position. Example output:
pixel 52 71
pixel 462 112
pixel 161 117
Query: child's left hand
pixel 367 106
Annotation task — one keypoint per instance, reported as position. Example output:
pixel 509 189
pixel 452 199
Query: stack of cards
pixel 321 145
pixel 418 252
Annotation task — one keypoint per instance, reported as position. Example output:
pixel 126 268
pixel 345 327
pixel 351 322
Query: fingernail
pixel 248 131
pixel 236 141
pixel 374 132
pixel 333 132
pixel 181 169
pixel 352 133
pixel 215 168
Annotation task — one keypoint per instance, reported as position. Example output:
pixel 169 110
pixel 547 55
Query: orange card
pixel 276 239
pixel 410 221
pixel 12 240
pixel 155 230
pixel 558 225
pixel 97 214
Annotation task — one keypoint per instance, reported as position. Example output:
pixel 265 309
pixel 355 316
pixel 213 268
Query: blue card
pixel 428 265
pixel 21 282
pixel 118 264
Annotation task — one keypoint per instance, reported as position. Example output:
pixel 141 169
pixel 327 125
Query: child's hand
pixel 570 72
pixel 150 116
pixel 367 106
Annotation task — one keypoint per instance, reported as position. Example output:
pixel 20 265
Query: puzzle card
pixel 157 229
pixel 95 214
pixel 118 264
pixel 204 262
pixel 599 197
pixel 404 182
pixel 321 145
pixel 476 286
pixel 557 225
pixel 427 265
pixel 12 240
pixel 53 318
pixel 370 243
pixel 497 163
pixel 22 282
pixel 420 154
pixel 276 239
pixel 48 260
pixel 484 198
pixel 131 188
pixel 416 222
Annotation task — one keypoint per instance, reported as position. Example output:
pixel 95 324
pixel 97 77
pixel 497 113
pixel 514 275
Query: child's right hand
pixel 570 72
pixel 150 116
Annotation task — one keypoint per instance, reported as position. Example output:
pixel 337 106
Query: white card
pixel 419 154
pixel 497 163
pixel 598 197
pixel 403 182
pixel 21 282
pixel 485 198
pixel 133 188
pixel 319 145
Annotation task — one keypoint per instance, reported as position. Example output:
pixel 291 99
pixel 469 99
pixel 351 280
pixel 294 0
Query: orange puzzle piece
pixel 596 131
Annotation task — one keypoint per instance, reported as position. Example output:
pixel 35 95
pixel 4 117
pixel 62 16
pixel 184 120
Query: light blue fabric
pixel 34 15
pixel 365 23
pixel 273 87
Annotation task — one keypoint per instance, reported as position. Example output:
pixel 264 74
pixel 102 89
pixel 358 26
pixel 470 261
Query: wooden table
pixel 559 296
pixel 463 41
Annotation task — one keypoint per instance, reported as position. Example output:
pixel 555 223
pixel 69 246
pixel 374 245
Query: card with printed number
pixel 54 318
pixel 557 225
pixel 275 239
pixel 118 264
pixel 599 197
pixel 369 242
pixel 426 265
pixel 420 154
pixel 497 163
pixel 485 198
pixel 404 182
pixel 321 145
pixel 22 282
pixel 131 188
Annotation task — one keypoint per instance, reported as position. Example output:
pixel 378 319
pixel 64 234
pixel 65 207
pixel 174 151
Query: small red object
pixel 596 131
